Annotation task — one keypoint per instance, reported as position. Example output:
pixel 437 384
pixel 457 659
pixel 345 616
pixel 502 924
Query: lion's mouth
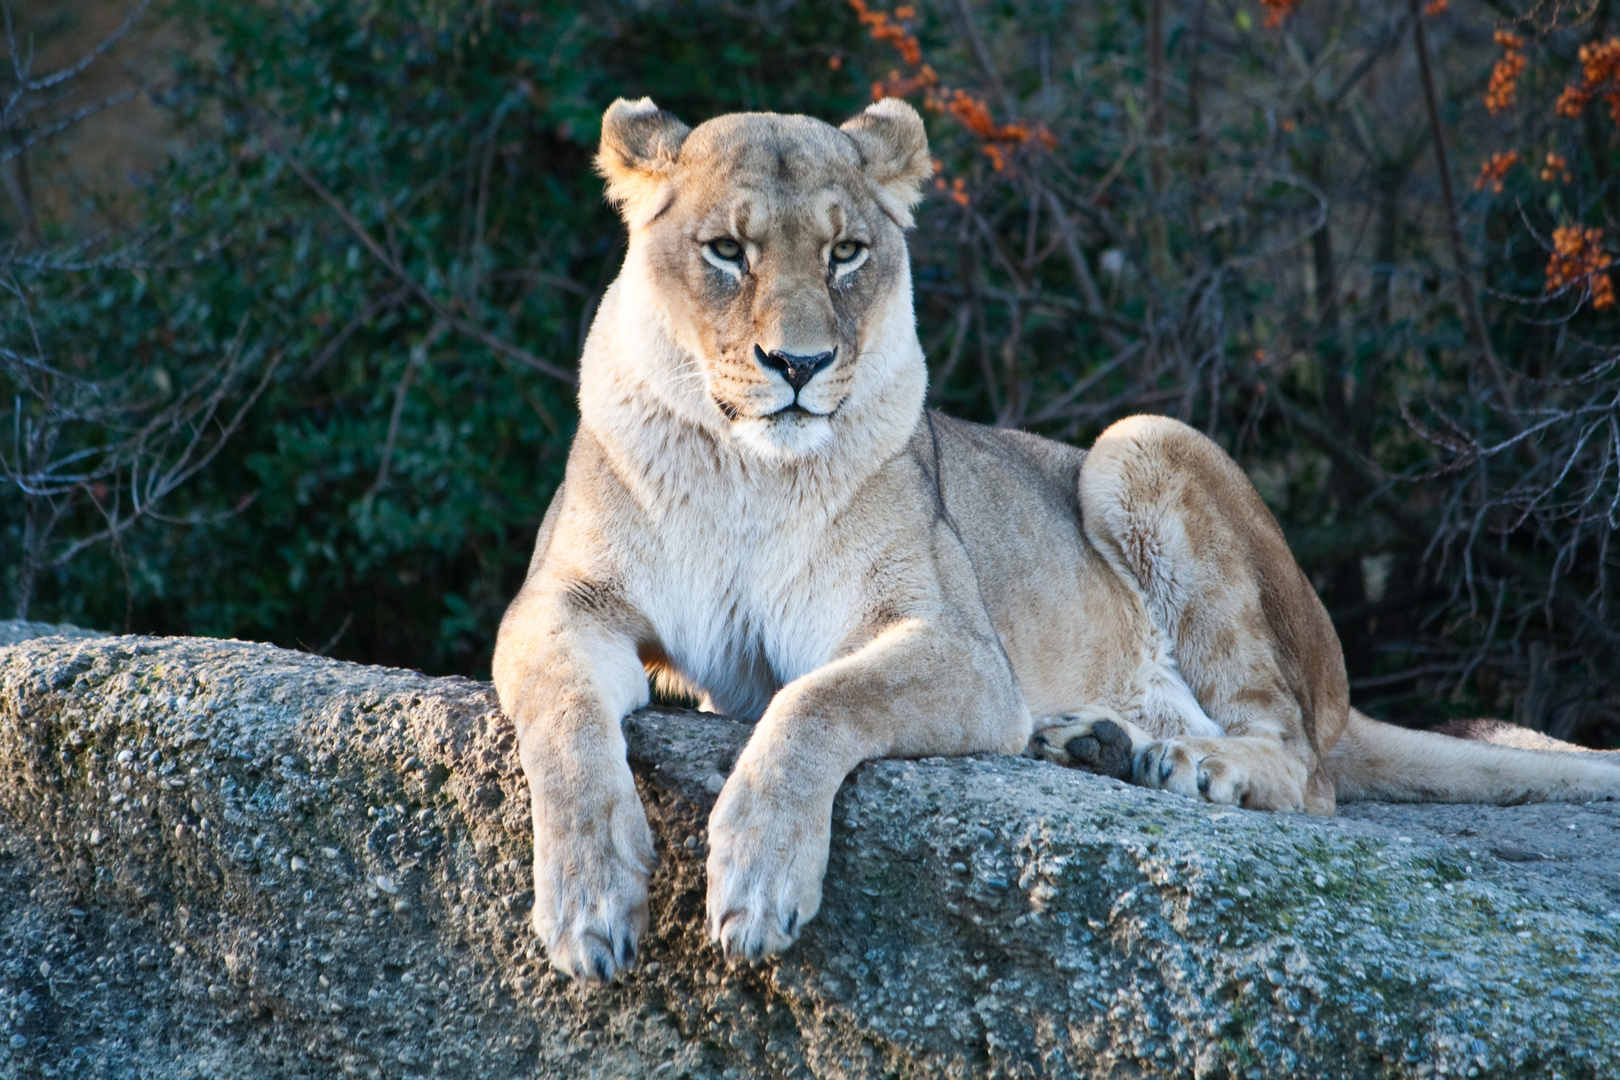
pixel 792 413
pixel 791 432
pixel 795 411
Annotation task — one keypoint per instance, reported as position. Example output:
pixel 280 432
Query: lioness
pixel 758 511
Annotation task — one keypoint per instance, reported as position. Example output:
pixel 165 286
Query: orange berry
pixel 1492 171
pixel 1277 12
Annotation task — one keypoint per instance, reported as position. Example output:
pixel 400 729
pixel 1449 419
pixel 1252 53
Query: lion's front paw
pixel 1094 739
pixel 590 891
pixel 767 856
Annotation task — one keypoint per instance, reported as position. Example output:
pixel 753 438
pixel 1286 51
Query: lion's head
pixel 777 246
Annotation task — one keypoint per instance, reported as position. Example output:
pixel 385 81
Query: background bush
pixel 383 233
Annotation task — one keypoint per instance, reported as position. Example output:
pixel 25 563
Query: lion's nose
pixel 797 370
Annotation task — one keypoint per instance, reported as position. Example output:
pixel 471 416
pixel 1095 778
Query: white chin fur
pixel 785 438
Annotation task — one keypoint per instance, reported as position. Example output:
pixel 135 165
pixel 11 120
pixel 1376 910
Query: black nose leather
pixel 797 370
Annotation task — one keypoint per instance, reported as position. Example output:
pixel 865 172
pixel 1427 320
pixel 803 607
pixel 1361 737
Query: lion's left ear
pixel 894 153
pixel 640 146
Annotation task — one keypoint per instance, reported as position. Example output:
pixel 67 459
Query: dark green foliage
pixel 390 208
pixel 460 136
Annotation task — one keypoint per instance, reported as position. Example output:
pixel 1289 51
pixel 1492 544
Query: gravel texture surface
pixel 221 859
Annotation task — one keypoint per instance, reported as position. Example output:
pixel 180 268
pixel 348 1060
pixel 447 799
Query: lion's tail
pixel 1488 764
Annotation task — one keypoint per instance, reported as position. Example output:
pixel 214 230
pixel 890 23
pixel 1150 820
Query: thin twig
pixel 982 57
pixel 1459 251
pixel 106 44
pixel 337 635
pixel 419 354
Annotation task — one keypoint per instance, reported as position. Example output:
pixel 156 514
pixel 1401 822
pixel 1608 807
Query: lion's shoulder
pixel 984 459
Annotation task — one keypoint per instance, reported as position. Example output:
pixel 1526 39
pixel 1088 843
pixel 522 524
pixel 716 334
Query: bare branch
pixel 392 265
pixel 418 358
pixel 78 67
pixel 1459 251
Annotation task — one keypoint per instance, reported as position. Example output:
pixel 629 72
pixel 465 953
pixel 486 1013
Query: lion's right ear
pixel 894 154
pixel 640 145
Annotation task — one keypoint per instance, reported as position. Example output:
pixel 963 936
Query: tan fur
pixel 871 580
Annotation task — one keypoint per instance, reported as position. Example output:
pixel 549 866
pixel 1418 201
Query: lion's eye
pixel 726 248
pixel 845 250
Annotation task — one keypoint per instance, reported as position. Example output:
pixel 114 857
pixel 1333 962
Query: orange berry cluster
pixel 1492 172
pixel 895 84
pixel 1435 7
pixel 1277 12
pixel 1505 75
pixel 1556 169
pixel 1600 74
pixel 885 29
pixel 968 109
pixel 1578 258
pixel 972 113
pixel 957 189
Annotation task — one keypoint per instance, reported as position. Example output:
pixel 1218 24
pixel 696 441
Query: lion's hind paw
pixel 1185 769
pixel 1095 739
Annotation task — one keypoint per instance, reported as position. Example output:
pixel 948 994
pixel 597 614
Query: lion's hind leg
pixel 1180 523
pixel 1243 771
pixel 1228 771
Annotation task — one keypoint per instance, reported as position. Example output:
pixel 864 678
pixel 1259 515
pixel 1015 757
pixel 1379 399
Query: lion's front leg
pixel 914 691
pixel 566 681
pixel 768 843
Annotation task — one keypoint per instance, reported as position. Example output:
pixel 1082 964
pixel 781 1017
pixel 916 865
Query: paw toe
pixel 750 936
pixel 1220 782
pixel 593 938
pixel 1169 766
pixel 585 958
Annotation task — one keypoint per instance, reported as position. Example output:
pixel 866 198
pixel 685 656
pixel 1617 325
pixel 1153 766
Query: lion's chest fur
pixel 740 610
pixel 751 579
